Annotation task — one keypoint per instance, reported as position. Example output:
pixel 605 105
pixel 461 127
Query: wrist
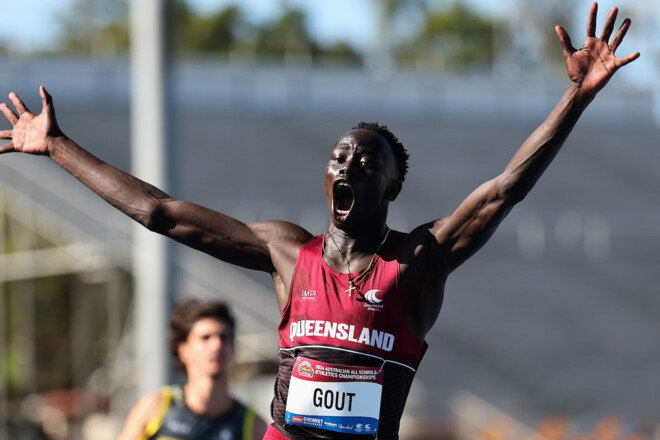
pixel 581 94
pixel 55 144
pixel 578 96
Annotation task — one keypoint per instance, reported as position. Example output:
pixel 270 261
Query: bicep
pixel 474 221
pixel 216 234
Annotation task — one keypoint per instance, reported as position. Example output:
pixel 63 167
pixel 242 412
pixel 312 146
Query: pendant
pixel 351 288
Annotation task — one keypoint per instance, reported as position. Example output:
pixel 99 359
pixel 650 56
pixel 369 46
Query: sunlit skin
pixel 363 161
pixel 428 254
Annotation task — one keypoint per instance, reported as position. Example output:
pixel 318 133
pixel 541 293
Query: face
pixel 208 349
pixel 361 178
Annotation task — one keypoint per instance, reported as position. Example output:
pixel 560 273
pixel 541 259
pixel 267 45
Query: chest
pixel 182 424
pixel 324 293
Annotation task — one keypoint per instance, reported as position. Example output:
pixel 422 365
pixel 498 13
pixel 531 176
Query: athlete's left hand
pixel 592 66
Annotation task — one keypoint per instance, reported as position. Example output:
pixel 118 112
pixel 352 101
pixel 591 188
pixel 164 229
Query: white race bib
pixel 334 397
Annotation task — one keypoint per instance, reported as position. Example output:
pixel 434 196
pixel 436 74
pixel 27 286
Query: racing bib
pixel 334 397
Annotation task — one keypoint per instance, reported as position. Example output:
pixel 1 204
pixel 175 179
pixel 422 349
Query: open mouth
pixel 342 197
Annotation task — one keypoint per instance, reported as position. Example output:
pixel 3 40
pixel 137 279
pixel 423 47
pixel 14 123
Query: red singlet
pixel 322 323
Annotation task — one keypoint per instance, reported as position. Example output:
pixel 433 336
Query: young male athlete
pixel 357 301
pixel 202 345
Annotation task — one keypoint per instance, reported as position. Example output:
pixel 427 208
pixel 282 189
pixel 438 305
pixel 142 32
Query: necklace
pixel 352 283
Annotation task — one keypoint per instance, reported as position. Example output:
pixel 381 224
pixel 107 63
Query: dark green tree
pixel 455 38
pixel 94 27
pixel 287 34
pixel 102 26
pixel 219 31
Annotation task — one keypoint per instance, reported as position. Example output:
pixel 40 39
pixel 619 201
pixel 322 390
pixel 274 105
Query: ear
pixel 182 350
pixel 393 190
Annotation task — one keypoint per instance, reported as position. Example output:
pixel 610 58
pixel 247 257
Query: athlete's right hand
pixel 30 133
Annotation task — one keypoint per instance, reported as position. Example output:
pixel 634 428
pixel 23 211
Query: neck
pixel 365 240
pixel 208 396
pixel 350 253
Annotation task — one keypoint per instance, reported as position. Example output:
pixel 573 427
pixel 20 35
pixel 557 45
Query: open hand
pixel 31 133
pixel 592 66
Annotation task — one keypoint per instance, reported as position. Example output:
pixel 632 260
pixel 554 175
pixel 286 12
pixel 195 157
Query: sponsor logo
pixel 372 302
pixel 333 425
pixel 367 427
pixel 347 427
pixel 313 421
pixel 305 369
pixel 179 427
pixel 297 419
pixel 371 297
pixel 308 295
pixel 225 434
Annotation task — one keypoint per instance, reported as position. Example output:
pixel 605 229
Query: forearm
pixel 541 147
pixel 477 217
pixel 132 196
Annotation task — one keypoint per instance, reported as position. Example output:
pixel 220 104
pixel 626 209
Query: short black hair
pixel 400 154
pixel 187 313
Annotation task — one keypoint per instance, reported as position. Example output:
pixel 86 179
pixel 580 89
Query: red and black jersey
pixel 322 322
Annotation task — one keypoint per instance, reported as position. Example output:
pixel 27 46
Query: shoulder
pixel 277 231
pixel 149 402
pixel 144 410
pixel 422 251
pixel 283 239
pixel 424 237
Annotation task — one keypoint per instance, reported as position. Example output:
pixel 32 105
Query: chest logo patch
pixel 308 295
pixel 371 300
pixel 371 297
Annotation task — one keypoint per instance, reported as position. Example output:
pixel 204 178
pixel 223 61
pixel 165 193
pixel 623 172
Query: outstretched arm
pixel 247 245
pixel 589 69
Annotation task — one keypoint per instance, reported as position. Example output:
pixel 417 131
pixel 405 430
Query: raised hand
pixel 592 66
pixel 30 133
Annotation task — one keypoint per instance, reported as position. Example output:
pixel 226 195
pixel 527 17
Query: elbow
pixel 510 193
pixel 154 217
pixel 515 197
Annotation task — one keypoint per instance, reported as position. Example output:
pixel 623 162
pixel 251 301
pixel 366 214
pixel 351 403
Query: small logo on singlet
pixel 308 295
pixel 371 297
pixel 177 427
pixel 372 301
pixel 225 434
pixel 305 369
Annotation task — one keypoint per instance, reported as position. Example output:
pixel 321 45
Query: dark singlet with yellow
pixel 175 421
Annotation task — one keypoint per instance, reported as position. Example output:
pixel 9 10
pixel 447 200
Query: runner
pixel 202 345
pixel 357 301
